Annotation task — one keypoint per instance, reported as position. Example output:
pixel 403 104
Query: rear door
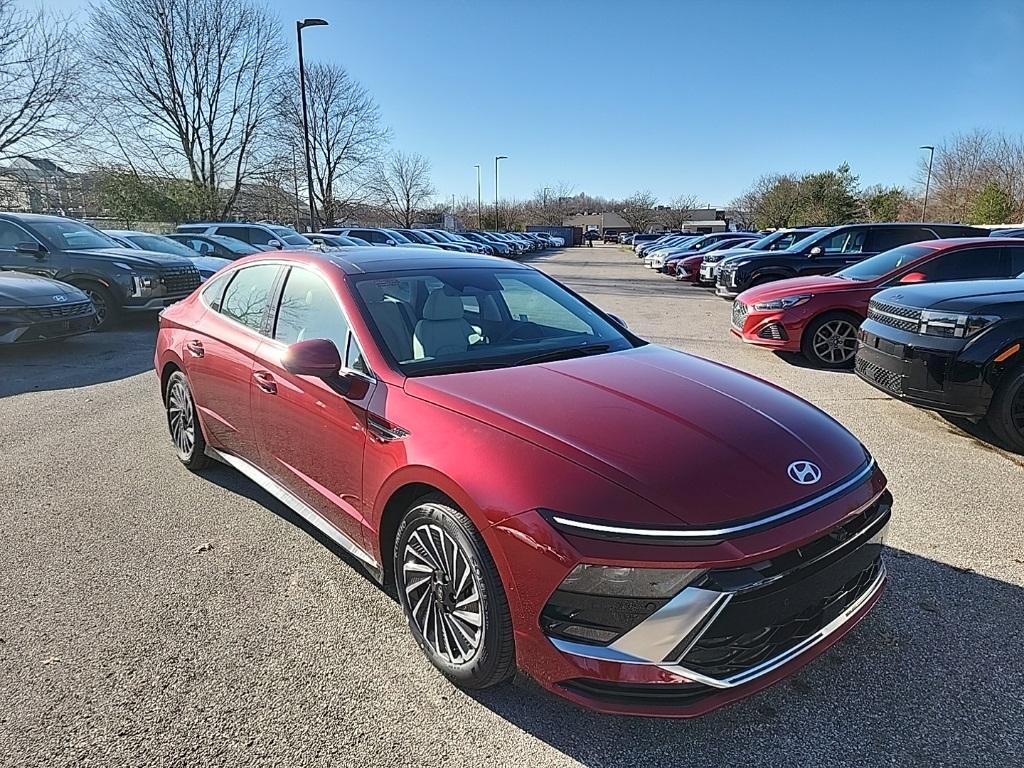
pixel 221 351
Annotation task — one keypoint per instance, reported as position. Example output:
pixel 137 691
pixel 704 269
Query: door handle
pixel 195 348
pixel 265 381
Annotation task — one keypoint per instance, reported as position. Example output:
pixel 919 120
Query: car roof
pixel 126 232
pixel 951 242
pixel 360 260
pixel 33 217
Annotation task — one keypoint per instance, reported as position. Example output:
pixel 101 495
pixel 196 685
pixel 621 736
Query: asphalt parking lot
pixel 153 617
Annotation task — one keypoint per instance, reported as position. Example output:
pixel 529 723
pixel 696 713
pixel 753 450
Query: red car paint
pixel 688 269
pixel 831 294
pixel 579 436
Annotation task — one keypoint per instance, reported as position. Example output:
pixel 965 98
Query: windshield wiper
pixel 564 354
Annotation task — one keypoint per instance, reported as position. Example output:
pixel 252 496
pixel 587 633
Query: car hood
pixel 962 296
pixel 134 257
pixel 794 286
pixel 705 443
pixel 20 289
pixel 209 263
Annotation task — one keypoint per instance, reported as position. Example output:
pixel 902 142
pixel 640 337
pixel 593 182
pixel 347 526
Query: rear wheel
pixel 452 595
pixel 107 310
pixel 830 341
pixel 1006 414
pixel 183 423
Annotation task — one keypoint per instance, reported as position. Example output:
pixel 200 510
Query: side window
pixel 309 310
pixel 887 238
pixel 199 246
pixel 846 241
pixel 247 296
pixel 11 235
pixel 530 305
pixel 354 357
pixel 1015 254
pixel 238 233
pixel 213 291
pixel 968 264
pixel 258 236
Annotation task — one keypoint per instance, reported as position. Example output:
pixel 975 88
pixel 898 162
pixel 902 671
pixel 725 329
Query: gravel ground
pixel 154 617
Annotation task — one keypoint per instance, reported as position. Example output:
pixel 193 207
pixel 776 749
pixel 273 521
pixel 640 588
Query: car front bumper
pixel 780 330
pixel 704 647
pixel 18 332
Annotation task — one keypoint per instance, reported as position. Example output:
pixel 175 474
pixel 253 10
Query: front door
pixel 39 263
pixel 311 436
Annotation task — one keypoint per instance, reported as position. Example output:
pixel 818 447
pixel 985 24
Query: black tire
pixel 1006 413
pixel 830 340
pixel 189 444
pixel 108 311
pixel 436 584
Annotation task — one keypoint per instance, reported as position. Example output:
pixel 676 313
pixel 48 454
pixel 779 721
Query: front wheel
pixel 107 309
pixel 1006 414
pixel 830 341
pixel 452 595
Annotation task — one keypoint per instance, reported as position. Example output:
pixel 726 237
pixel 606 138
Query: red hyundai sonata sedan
pixel 819 315
pixel 481 438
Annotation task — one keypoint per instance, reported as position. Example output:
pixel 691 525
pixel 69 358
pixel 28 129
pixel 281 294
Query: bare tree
pixel 188 88
pixel 678 212
pixel 401 186
pixel 638 210
pixel 38 80
pixel 346 137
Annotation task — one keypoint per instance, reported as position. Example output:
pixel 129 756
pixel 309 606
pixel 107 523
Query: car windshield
pixel 290 236
pixel 161 244
pixel 884 263
pixel 397 236
pixel 721 244
pixel 454 320
pixel 233 245
pixel 779 241
pixel 68 234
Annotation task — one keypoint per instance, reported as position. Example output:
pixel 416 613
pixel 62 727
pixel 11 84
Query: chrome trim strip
pixel 711 533
pixel 620 656
pixel 655 637
pixel 295 504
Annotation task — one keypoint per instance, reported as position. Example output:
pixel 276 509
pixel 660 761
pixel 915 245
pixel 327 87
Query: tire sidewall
pixel 197 459
pixel 1000 412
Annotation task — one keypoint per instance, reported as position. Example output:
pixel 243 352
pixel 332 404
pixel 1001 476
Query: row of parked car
pixel 932 314
pixel 60 277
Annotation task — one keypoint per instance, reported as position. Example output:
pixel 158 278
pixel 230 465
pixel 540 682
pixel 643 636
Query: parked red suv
pixel 819 315
pixel 481 438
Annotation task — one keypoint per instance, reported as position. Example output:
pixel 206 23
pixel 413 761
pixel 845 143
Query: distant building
pixel 703 220
pixel 38 185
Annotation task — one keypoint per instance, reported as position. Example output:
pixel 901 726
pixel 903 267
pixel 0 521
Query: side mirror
pixel 389 241
pixel 912 277
pixel 315 357
pixel 618 320
pixel 30 247
pixel 275 244
pixel 816 251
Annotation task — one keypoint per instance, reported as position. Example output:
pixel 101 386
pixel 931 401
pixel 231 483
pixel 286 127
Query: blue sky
pixel 676 97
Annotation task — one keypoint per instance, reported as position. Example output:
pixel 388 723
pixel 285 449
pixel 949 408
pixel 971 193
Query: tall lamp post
pixel 479 200
pixel 497 222
pixel 299 26
pixel 927 183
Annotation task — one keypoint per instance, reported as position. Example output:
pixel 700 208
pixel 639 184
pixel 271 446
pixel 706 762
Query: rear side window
pixel 247 296
pixel 236 232
pixel 213 291
pixel 967 264
pixel 309 310
pixel 1015 255
pixel 885 238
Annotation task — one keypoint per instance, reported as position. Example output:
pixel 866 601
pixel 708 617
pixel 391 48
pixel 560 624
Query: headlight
pixel 628 582
pixel 143 285
pixel 953 325
pixel 785 303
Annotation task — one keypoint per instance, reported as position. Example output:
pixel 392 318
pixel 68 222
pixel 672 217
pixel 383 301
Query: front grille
pixel 904 318
pixel 61 311
pixel 773 331
pixel 180 279
pixel 722 656
pixel 739 313
pixel 888 380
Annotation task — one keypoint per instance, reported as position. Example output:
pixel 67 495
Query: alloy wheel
pixel 99 301
pixel 442 593
pixel 181 419
pixel 835 342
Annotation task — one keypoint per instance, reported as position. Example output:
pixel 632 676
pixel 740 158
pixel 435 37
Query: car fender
pixel 86 276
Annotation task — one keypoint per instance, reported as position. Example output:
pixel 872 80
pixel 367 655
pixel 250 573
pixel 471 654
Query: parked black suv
pixel 953 347
pixel 828 251
pixel 117 279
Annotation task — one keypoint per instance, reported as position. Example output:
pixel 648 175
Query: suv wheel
pixel 830 341
pixel 1006 414
pixel 452 595
pixel 107 310
pixel 183 423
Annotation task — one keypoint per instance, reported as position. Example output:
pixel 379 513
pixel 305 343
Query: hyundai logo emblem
pixel 804 472
pixel 60 299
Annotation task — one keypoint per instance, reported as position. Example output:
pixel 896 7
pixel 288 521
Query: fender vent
pixel 383 430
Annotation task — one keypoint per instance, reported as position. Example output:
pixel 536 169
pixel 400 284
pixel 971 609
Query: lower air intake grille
pixel 888 380
pixel 773 331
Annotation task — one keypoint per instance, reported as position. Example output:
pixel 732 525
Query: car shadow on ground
pixel 924 680
pixel 981 432
pixel 797 360
pixel 79 361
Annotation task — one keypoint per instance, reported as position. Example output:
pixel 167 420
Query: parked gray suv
pixel 266 237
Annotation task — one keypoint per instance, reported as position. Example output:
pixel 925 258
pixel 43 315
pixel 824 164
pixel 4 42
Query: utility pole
pixel 497 219
pixel 928 183
pixel 299 26
pixel 479 201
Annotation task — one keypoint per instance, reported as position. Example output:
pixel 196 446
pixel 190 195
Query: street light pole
pixel 928 183
pixel 299 26
pixel 479 200
pixel 497 222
